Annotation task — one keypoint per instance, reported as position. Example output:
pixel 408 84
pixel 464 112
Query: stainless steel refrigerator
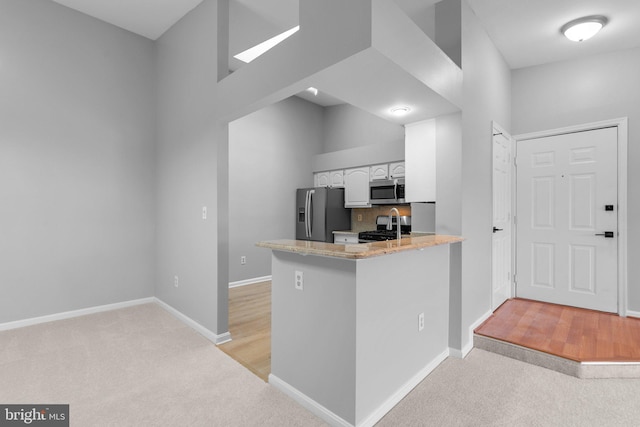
pixel 319 212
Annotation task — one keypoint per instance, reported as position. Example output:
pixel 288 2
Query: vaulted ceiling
pixel 527 32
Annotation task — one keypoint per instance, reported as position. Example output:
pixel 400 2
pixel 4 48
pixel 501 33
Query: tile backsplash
pixel 369 215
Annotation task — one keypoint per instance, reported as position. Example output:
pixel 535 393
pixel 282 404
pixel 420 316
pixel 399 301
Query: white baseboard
pixel 403 391
pixel 633 313
pixel 75 313
pixel 215 338
pixel 308 403
pixel 461 354
pixel 249 281
pixel 335 420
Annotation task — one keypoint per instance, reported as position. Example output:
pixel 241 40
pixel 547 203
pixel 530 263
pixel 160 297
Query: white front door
pixel 501 241
pixel 567 223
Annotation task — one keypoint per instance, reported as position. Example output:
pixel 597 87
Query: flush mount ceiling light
pixel 253 52
pixel 313 90
pixel 400 111
pixel 583 28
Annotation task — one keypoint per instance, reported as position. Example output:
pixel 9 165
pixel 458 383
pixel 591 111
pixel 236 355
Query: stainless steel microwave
pixel 386 192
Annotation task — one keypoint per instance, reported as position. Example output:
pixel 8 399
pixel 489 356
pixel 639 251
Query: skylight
pixel 253 52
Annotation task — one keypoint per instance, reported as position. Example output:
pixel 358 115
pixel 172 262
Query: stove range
pixel 378 235
pixel 381 233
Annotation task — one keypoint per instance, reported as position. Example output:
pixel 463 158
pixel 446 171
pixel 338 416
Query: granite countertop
pixel 360 250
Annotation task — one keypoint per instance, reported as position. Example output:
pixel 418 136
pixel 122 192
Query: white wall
pixel 581 91
pixel 346 126
pixel 487 97
pixel 270 153
pixel 77 163
pixel 190 145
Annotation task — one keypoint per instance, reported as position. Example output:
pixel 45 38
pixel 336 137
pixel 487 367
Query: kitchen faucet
pixel 390 222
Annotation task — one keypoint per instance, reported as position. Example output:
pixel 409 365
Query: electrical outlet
pixel 176 281
pixel 359 217
pixel 243 260
pixel 420 322
pixel 299 280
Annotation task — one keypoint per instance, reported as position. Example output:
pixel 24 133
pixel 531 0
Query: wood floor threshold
pixel 250 328
pixel 576 334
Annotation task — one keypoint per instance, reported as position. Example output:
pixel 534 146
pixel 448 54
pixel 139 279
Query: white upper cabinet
pixel 336 178
pixel 329 179
pixel 321 179
pixel 379 172
pixel 396 170
pixel 420 161
pixel 356 182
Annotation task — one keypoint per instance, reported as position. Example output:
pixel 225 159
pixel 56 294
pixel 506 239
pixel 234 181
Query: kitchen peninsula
pixel 355 327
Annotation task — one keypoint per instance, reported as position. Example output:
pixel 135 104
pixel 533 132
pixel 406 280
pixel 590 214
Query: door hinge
pixel 515 160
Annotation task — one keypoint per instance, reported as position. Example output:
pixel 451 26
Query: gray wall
pixel 350 340
pixel 270 154
pixel 77 161
pixel 487 97
pixel 449 174
pixel 189 143
pixel 581 91
pixel 449 211
pixel 448 34
pixel 346 127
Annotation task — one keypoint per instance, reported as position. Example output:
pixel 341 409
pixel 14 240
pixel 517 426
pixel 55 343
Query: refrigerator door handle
pixel 306 214
pixel 311 193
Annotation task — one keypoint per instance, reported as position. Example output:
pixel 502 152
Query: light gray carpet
pixel 137 367
pixel 141 367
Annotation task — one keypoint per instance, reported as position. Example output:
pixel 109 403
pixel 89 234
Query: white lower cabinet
pixel 356 184
pixel 345 238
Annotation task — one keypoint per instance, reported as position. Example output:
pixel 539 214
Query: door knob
pixel 606 234
pixel 497 229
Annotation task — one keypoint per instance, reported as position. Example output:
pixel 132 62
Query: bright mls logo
pixel 36 415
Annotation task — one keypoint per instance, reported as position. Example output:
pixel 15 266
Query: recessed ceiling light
pixel 583 28
pixel 253 52
pixel 400 111
pixel 313 90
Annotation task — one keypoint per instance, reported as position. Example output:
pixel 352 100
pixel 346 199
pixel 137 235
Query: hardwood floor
pixel 568 332
pixel 250 327
pixel 572 333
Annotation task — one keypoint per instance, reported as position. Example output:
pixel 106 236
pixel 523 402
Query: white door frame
pixel 499 130
pixel 623 136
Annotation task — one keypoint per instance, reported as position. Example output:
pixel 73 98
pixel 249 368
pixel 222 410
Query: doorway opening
pixel 571 216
